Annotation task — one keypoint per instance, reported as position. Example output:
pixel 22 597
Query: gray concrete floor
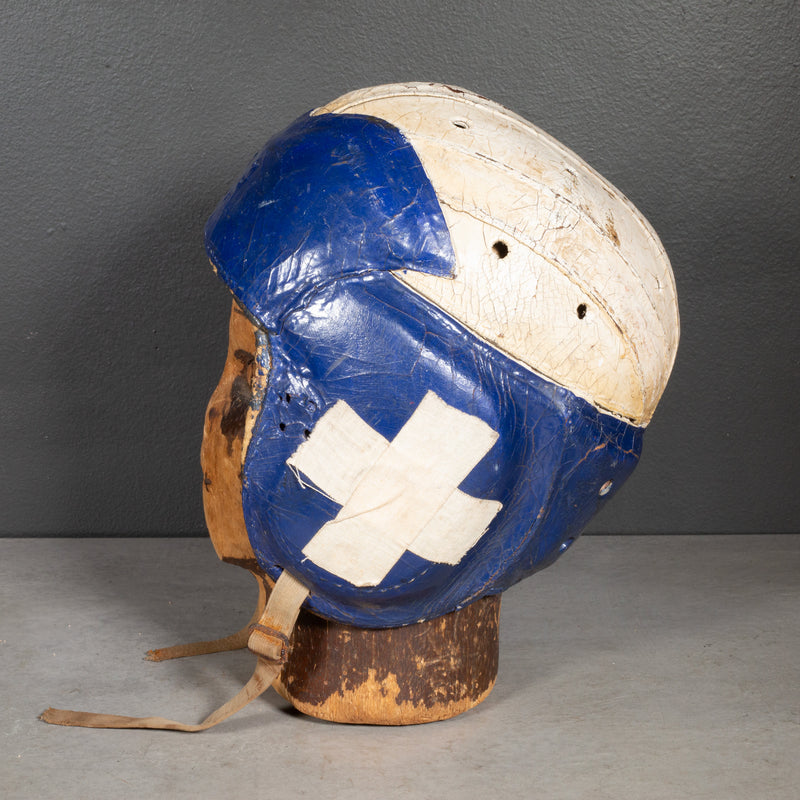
pixel 636 667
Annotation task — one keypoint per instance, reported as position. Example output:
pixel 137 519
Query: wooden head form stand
pixel 391 676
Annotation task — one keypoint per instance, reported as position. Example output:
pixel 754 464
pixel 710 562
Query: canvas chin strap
pixel 236 641
pixel 268 638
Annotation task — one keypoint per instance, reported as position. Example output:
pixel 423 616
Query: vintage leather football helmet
pixel 463 331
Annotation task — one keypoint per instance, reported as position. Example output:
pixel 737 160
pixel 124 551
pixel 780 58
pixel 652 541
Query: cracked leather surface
pixel 307 242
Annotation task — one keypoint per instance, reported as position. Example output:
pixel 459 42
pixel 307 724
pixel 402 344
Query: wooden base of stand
pixel 397 676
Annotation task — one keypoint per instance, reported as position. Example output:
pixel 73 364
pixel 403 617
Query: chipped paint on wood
pixel 223 439
pixel 397 676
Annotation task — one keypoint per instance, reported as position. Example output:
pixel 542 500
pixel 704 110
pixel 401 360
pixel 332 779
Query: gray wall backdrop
pixel 123 124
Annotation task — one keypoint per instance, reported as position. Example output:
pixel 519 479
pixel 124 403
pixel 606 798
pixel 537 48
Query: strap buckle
pixel 267 643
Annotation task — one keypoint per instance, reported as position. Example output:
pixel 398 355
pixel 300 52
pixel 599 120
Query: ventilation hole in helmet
pixel 288 397
pixel 306 433
pixel 581 310
pixel 501 248
pixel 282 426
pixel 605 488
pixel 460 123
